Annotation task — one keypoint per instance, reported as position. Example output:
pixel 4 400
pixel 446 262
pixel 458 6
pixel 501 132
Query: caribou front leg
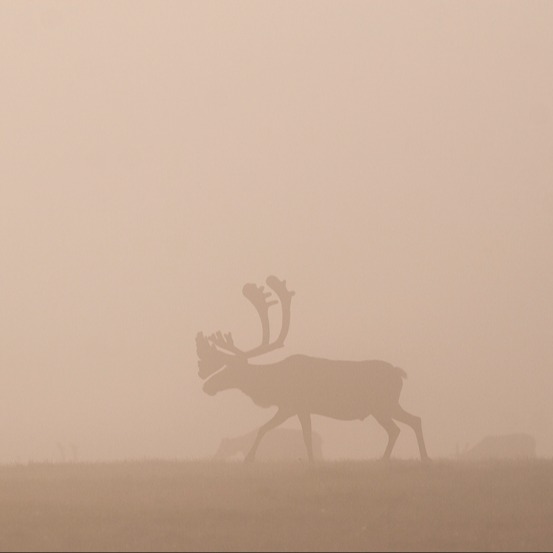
pixel 305 420
pixel 278 419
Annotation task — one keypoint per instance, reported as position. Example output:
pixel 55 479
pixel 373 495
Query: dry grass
pixel 331 506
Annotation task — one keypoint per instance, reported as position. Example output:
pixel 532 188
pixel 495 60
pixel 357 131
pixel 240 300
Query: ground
pixel 332 506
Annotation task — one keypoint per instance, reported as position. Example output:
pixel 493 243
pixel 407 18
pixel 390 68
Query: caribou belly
pixel 345 390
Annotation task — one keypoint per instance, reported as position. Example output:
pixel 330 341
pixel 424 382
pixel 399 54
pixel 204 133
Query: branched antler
pixel 224 342
pixel 212 350
pixel 285 297
pixel 259 297
pixel 210 359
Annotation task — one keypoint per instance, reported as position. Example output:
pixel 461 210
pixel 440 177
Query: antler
pixel 258 297
pixel 211 350
pixel 210 359
pixel 224 342
pixel 285 297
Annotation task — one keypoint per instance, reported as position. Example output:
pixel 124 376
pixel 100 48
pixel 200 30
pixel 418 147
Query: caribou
pixel 301 385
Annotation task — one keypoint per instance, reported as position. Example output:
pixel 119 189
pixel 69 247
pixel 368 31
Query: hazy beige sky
pixel 391 160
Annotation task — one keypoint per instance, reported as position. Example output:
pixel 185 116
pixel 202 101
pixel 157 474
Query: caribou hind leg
pixel 305 420
pixel 393 432
pixel 415 423
pixel 277 420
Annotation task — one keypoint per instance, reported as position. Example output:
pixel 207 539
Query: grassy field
pixel 277 506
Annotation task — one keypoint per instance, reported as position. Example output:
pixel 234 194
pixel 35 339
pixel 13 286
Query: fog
pixel 390 160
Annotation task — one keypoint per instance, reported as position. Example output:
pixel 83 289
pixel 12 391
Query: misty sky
pixel 391 160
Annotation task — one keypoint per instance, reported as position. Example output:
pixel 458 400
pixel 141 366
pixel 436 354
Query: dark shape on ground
pixel 280 444
pixel 506 446
pixel 301 385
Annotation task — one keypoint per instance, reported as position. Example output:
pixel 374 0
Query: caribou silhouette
pixel 300 385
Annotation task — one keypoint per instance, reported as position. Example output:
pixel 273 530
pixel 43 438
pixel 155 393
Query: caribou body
pixel 300 385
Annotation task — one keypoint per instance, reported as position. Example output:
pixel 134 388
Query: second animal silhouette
pixel 301 385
